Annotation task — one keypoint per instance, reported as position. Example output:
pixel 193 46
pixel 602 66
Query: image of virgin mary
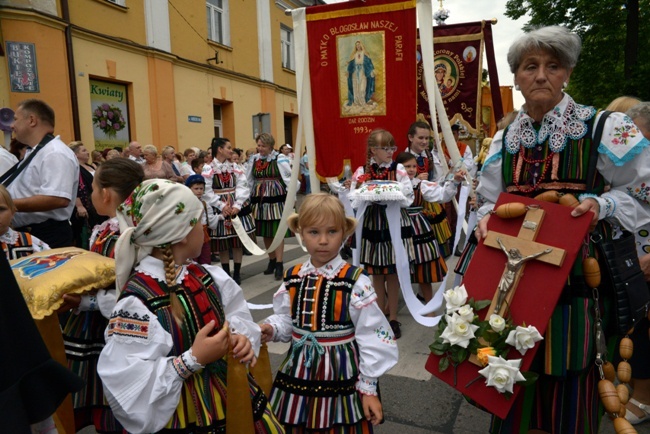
pixel 361 76
pixel 32 266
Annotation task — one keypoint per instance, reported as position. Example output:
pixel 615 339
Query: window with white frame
pixel 286 40
pixel 218 21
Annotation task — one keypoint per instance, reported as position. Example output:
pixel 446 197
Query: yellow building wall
pixel 189 36
pixel 96 59
pixel 282 77
pixel 49 40
pixel 108 19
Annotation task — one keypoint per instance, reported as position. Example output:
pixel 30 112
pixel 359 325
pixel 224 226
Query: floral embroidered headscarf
pixel 158 213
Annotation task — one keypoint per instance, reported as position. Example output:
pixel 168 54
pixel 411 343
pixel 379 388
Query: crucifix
pixel 520 250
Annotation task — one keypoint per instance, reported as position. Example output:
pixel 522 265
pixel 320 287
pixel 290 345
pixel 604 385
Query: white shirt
pixel 242 190
pixel 7 160
pixel 376 354
pixel 54 171
pixel 140 382
pixel 138 160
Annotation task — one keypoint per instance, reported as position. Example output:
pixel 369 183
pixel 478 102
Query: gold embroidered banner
pixel 458 60
pixel 362 75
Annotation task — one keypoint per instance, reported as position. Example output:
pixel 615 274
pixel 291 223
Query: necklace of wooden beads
pixel 546 161
pixel 381 173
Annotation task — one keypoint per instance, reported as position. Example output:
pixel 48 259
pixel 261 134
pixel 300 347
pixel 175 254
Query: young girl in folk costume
pixel 15 244
pixel 269 173
pixel 429 169
pixel 229 192
pixel 341 340
pixel 376 250
pixel 209 219
pixel 83 329
pixel 163 365
pixel 429 265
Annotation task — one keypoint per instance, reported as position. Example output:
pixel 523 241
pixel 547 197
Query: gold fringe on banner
pixel 239 408
pixel 362 11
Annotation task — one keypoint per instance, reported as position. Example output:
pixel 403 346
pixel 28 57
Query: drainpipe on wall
pixel 65 11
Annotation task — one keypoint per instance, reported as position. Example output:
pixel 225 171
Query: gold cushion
pixel 44 277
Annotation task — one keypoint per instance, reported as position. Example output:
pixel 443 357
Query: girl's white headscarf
pixel 158 213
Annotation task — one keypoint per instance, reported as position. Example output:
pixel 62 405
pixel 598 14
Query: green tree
pixel 615 58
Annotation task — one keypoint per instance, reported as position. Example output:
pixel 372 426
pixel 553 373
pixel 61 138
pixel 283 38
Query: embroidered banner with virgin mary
pixel 362 75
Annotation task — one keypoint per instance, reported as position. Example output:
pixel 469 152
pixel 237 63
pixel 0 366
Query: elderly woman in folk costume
pixel 269 174
pixel 229 193
pixel 547 147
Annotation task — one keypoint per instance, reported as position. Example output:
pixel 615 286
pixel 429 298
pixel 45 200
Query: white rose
pixel 466 313
pixel 455 298
pixel 497 323
pixel 524 338
pixel 502 374
pixel 458 331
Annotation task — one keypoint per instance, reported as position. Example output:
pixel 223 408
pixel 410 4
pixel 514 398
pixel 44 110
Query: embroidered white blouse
pixel 623 160
pixel 437 172
pixel 377 347
pixel 140 382
pixel 242 189
pixel 434 192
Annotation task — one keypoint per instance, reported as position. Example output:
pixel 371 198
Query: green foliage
pixel 603 26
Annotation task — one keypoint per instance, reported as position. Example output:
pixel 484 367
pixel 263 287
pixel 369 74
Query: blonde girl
pixel 15 244
pixel 341 341
pixel 163 365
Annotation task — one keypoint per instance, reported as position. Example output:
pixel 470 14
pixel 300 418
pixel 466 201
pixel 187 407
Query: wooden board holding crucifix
pixel 550 238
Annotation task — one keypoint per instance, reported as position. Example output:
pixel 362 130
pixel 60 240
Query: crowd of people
pixel 153 350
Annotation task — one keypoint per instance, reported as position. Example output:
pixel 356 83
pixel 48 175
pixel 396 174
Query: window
pixel 218 22
pixel 286 39
pixel 118 2
pixel 218 121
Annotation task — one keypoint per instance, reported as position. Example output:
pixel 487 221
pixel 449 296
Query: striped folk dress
pixel 202 405
pixel 315 390
pixel 229 183
pixel 83 336
pixel 268 194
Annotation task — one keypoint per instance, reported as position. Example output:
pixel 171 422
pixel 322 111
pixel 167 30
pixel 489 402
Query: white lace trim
pixel 154 268
pixel 329 270
pixel 9 237
pixel 111 223
pixel 566 121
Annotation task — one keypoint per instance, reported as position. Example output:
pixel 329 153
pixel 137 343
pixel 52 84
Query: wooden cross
pixel 525 243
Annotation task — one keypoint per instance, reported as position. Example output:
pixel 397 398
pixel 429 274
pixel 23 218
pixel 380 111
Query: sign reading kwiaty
pixel 363 77
pixel 457 67
pixel 110 114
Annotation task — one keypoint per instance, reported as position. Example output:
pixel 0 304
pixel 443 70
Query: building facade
pixel 166 72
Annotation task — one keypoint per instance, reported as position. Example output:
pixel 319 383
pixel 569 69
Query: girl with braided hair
pixel 163 365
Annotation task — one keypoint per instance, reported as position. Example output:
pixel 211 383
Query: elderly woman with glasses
pixel 547 147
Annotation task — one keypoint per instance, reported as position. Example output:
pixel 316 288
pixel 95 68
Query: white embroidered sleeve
pixel 238 315
pixel 141 383
pixel 242 192
pixel 281 318
pixel 377 346
pixel 434 192
pixel 491 182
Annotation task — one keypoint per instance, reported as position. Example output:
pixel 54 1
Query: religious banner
pixel 458 66
pixel 545 240
pixel 363 76
pixel 110 114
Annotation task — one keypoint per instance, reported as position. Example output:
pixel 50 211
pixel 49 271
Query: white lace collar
pixel 112 224
pixel 226 166
pixel 421 154
pixel 566 121
pixel 10 237
pixel 155 268
pixel 329 270
pixel 372 161
pixel 269 157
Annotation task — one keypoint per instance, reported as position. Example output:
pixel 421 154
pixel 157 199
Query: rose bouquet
pixel 461 335
pixel 109 119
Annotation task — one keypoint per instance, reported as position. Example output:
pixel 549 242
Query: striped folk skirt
pixel 224 236
pixel 267 201
pixel 377 253
pixel 437 217
pixel 428 265
pixel 83 336
pixel 322 395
